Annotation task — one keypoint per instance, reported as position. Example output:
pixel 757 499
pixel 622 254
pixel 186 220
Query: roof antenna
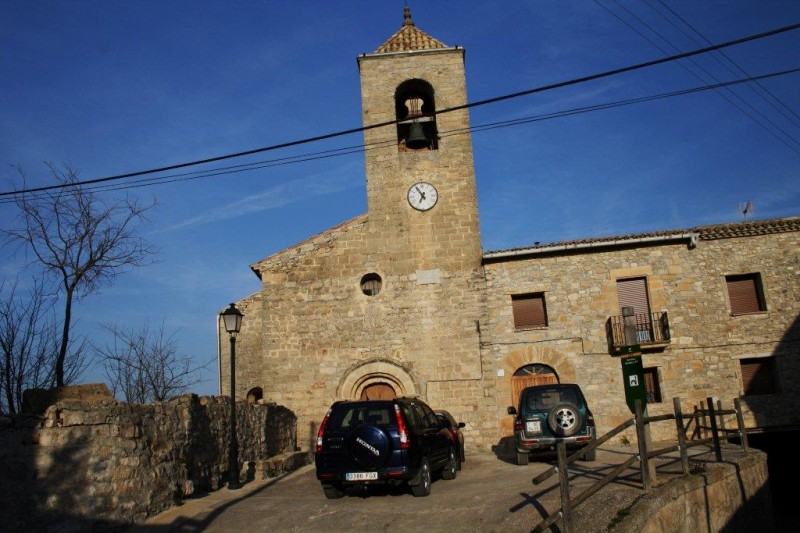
pixel 746 209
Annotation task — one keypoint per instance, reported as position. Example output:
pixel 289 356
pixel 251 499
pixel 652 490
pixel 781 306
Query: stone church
pixel 402 300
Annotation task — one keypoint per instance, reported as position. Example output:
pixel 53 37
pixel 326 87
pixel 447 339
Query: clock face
pixel 422 196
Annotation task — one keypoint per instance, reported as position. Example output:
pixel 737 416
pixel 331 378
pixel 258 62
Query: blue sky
pixel 115 87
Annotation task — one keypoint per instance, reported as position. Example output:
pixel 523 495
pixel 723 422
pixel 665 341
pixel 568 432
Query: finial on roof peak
pixel 407 17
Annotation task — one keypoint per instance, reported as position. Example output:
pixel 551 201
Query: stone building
pixel 403 301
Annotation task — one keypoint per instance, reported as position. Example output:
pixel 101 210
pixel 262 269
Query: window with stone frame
pixel 745 294
pixel 758 376
pixel 529 310
pixel 652 386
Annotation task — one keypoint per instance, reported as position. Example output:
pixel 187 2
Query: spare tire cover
pixel 369 446
pixel 564 419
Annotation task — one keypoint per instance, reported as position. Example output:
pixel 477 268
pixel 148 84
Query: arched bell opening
pixel 415 108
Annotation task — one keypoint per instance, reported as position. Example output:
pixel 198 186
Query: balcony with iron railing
pixel 652 331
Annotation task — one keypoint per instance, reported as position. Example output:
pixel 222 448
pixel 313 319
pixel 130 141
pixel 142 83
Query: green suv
pixel 549 414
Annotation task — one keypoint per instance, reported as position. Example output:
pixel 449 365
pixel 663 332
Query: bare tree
pixel 28 345
pixel 80 240
pixel 143 365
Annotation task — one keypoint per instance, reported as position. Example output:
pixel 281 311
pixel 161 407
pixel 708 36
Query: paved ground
pixel 489 494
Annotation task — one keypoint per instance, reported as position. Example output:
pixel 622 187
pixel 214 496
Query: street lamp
pixel 232 319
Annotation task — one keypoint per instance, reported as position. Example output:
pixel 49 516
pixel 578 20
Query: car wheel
pixel 451 466
pixel 522 458
pixel 333 492
pixel 423 488
pixel 564 419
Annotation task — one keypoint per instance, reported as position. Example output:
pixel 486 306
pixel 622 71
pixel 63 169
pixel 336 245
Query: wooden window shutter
pixel 744 294
pixel 633 293
pixel 758 376
pixel 651 386
pixel 529 310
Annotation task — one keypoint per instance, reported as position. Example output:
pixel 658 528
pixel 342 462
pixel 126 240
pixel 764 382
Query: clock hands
pixel 422 196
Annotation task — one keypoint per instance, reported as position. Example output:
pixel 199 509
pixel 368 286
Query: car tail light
pixel 401 428
pixel 519 425
pixel 321 431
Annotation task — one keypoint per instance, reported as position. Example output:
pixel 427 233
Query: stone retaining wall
pixel 103 461
pixel 729 496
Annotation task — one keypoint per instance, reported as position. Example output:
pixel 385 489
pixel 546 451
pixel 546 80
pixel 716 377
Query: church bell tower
pixel 420 178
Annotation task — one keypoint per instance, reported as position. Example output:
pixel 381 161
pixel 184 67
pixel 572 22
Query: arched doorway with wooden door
pixel 378 391
pixel 377 380
pixel 530 375
pixel 535 364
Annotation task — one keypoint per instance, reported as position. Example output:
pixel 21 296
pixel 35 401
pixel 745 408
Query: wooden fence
pixel 707 425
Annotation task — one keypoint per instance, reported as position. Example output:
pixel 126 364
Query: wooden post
pixel 722 425
pixel 676 403
pixel 712 415
pixel 737 404
pixel 702 423
pixel 563 478
pixel 644 463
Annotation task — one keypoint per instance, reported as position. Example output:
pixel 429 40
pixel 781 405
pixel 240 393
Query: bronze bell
pixel 416 137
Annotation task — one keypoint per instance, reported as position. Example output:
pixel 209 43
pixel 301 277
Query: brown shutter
pixel 757 376
pixel 743 294
pixel 528 311
pixel 633 293
pixel 651 386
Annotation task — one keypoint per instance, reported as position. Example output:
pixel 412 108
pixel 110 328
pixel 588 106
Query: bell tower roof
pixel 409 38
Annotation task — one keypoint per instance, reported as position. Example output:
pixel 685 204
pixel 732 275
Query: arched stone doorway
pixel 530 375
pixel 378 391
pixel 377 378
pixel 527 360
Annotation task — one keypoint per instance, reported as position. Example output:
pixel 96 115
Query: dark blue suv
pixel 397 441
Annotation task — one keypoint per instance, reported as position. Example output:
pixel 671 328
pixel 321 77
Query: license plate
pixel 360 476
pixel 533 427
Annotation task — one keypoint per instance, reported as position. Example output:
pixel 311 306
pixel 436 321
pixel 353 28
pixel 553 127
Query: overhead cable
pixel 347 150
pixel 543 88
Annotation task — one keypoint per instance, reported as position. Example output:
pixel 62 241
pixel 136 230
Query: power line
pixel 496 99
pixel 234 169
pixel 786 111
pixel 749 113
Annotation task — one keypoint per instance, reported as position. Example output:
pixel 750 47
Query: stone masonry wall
pixel 118 463
pixel 311 337
pixel 702 359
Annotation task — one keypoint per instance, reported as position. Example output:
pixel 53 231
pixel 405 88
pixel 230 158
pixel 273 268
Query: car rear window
pixel 348 416
pixel 543 399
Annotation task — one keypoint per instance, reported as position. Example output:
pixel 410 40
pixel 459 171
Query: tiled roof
pixel 409 38
pixel 748 229
pixel 705 233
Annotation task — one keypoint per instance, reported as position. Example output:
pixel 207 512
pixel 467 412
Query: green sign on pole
pixel 633 379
